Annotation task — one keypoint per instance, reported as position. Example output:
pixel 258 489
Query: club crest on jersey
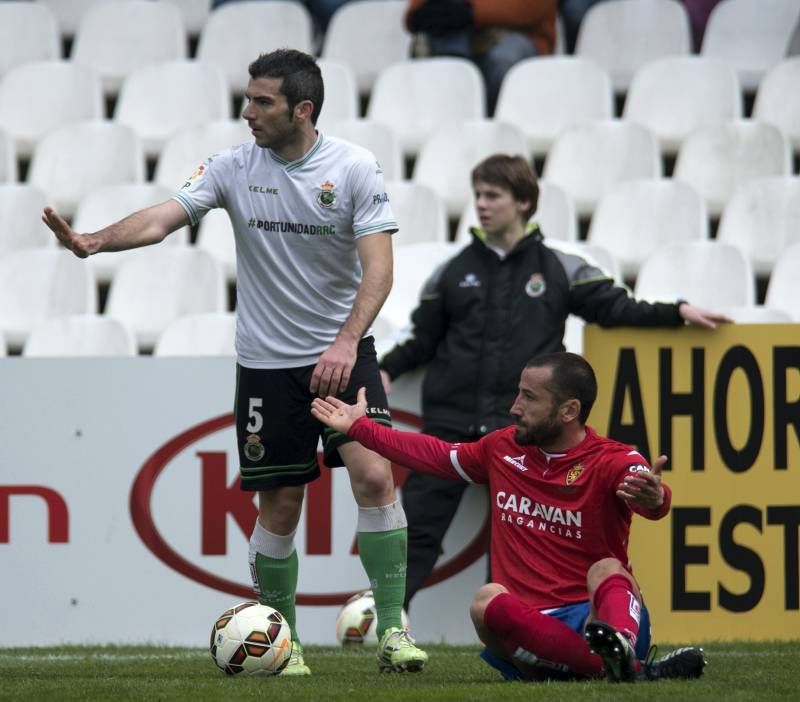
pixel 326 197
pixel 535 286
pixel 253 448
pixel 574 473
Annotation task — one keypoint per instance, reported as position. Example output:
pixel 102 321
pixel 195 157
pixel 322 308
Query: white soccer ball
pixel 251 638
pixel 357 620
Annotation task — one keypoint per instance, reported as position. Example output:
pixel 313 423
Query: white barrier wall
pixel 120 520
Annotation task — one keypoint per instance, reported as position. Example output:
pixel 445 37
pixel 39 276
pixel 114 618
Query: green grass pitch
pixel 736 671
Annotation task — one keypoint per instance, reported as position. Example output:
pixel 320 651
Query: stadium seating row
pixel 540 97
pixel 632 219
pixel 157 289
pixel 621 35
pixel 585 161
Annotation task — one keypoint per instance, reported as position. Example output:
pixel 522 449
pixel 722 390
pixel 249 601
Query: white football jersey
pixel 295 225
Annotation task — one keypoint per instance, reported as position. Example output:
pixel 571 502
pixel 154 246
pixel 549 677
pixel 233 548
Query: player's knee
pixel 372 484
pixel 279 509
pixel 481 600
pixel 600 570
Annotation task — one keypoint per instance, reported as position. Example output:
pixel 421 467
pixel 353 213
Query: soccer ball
pixel 357 620
pixel 251 638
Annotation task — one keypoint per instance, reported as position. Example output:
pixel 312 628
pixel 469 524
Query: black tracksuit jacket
pixel 480 318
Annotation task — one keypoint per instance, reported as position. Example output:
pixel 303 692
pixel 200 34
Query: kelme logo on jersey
pixel 574 473
pixel 535 286
pixel 326 197
pixel 253 448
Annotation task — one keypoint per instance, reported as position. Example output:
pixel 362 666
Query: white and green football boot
pixel 397 652
pixel 296 665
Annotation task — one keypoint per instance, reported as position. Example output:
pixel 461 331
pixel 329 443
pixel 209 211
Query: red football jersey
pixel 552 515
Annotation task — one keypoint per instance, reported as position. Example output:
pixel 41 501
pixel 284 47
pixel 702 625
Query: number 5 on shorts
pixel 256 420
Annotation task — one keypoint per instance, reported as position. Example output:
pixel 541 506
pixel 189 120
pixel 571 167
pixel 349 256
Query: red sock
pixel 517 626
pixel 617 605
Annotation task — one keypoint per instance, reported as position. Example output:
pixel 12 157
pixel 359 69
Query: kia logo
pixel 221 501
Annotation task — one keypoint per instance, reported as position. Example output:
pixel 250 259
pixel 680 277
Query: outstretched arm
pixel 416 451
pixel 142 228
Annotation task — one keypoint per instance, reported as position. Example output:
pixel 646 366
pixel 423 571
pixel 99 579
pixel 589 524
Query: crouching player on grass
pixel 564 603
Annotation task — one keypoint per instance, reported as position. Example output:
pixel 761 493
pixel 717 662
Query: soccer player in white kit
pixel 313 227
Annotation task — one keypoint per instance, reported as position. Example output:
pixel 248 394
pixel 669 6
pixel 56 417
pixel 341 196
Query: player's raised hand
pixel 332 372
pixel 82 245
pixel 339 415
pixel 643 488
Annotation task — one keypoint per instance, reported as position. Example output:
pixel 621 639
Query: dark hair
pixel 573 379
pixel 513 173
pixel 302 79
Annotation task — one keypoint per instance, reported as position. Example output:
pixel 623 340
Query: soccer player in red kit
pixel 564 602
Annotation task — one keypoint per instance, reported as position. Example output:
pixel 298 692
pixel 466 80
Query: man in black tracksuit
pixel 500 301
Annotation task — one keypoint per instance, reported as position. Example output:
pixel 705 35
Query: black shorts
pixel 276 435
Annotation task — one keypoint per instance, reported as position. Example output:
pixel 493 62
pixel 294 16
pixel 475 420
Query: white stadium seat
pixel 71 161
pixel 215 235
pixel 778 99
pixel 757 314
pixel 367 35
pixel 555 214
pixel 715 160
pixel 211 334
pixel 709 274
pixel 783 290
pixel 636 217
pixel 111 203
pixel 28 32
pixel 545 94
pixel 186 150
pixel 36 98
pixel 417 97
pixel 448 156
pixel 341 94
pixel 69 13
pixel 674 96
pixel 36 284
pixel 80 335
pixel 21 225
pixel 153 33
pixel 751 35
pixel 623 35
pixel 159 101
pixel 236 33
pixel 762 218
pixel 8 158
pixel 378 138
pixel 420 213
pixel 413 265
pixel 587 160
pixel 162 284
pixel 194 12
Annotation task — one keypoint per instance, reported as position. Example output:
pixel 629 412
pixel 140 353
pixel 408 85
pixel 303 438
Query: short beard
pixel 541 435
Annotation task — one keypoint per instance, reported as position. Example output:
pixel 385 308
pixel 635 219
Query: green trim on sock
pixel 384 556
pixel 277 581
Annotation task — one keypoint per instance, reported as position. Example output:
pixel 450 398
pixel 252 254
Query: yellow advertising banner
pixel 724 405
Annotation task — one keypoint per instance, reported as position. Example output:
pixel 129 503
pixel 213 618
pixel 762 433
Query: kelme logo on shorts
pixel 326 196
pixel 253 448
